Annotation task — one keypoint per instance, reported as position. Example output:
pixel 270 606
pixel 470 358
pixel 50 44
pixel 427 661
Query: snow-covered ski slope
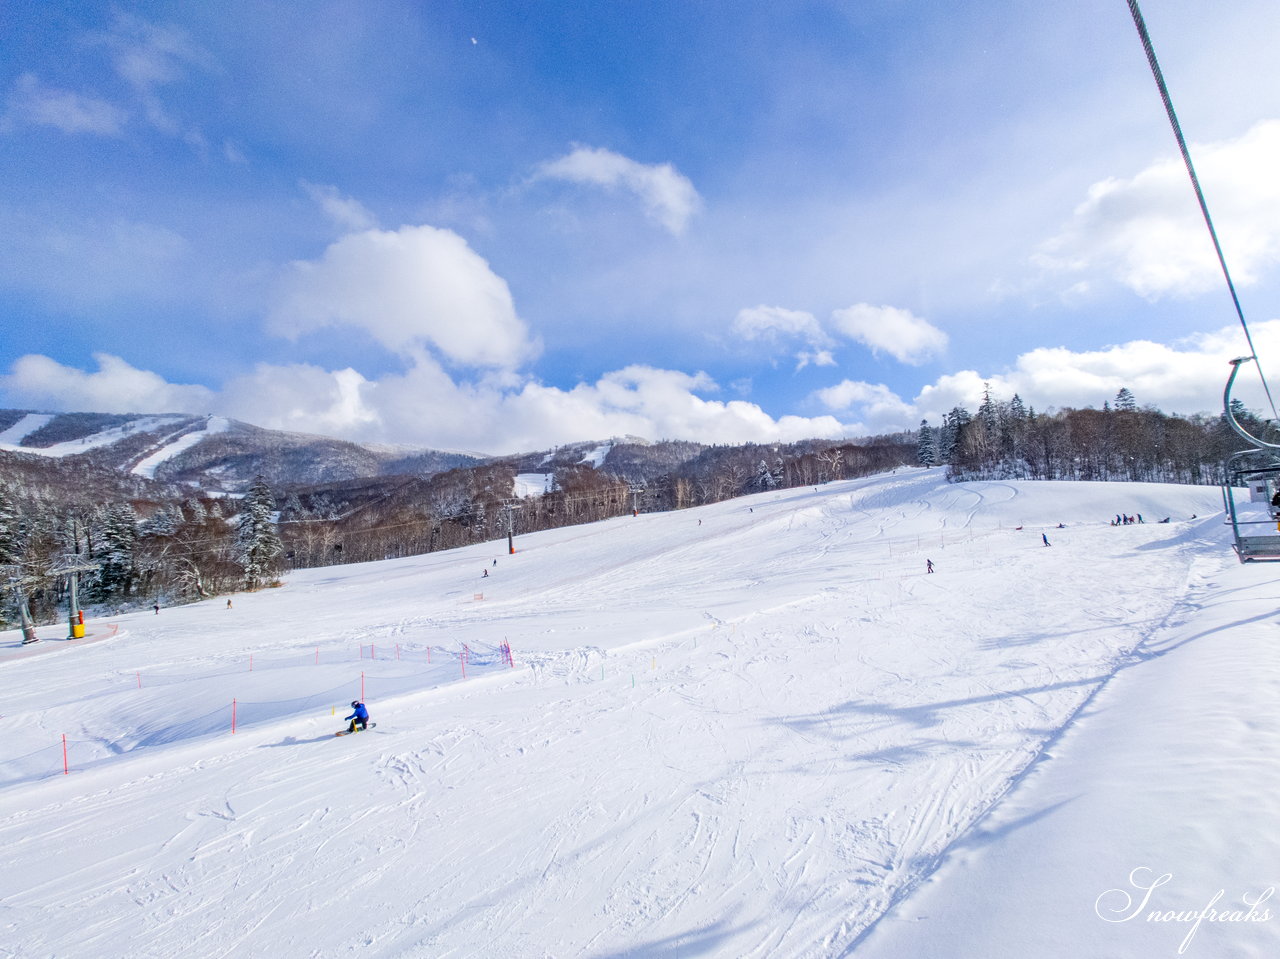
pixel 752 729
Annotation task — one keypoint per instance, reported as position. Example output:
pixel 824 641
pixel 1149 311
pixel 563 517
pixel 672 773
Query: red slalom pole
pixel 66 771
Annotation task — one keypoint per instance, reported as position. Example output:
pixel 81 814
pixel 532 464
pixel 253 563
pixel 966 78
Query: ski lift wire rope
pixel 1156 72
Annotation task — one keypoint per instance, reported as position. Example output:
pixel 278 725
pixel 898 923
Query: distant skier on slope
pixel 359 715
pixel 928 566
pixel 1045 538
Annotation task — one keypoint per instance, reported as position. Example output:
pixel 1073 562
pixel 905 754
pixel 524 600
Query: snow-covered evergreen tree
pixel 116 539
pixel 927 446
pixel 1125 402
pixel 949 433
pixel 8 527
pixel 764 476
pixel 195 511
pixel 258 545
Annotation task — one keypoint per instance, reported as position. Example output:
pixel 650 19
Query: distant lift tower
pixel 510 507
pixel 75 618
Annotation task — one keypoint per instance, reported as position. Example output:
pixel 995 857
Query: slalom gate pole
pixel 139 675
pixel 361 687
pixel 251 662
pixel 397 650
pixel 317 655
pixel 233 717
pixel 428 654
pixel 66 771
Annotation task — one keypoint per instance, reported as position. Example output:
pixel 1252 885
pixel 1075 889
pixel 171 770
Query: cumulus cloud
pixel 1184 377
pixel 425 405
pixel 887 329
pixel 1147 232
pixel 772 323
pixel 411 289
pixel 70 112
pixel 39 382
pixel 303 398
pixel 503 411
pixel 349 214
pixel 668 196
pixel 874 402
pixel 775 325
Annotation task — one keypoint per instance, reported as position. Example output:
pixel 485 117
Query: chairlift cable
pixel 1195 183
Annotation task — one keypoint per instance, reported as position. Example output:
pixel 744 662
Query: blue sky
pixel 503 225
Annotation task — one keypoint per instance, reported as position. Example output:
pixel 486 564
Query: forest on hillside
pixel 147 543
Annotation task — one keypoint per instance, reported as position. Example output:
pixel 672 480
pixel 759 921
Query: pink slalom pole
pixel 65 768
pixel 362 687
pixel 317 655
pixel 233 717
pixel 139 675
pixel 428 655
pixel 463 660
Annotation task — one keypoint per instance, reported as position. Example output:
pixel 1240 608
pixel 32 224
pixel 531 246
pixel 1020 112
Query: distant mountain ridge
pixel 211 453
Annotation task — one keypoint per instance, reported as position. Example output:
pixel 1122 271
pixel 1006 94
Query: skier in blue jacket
pixel 359 715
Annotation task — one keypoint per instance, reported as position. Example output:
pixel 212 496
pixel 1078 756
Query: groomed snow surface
pixel 753 729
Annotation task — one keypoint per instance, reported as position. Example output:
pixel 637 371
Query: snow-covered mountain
pixel 211 453
pixel 752 729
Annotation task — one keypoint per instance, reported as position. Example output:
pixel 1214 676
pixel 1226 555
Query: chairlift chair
pixel 1257 470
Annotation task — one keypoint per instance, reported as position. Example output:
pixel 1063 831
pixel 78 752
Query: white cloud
pixel 1147 232
pixel 772 323
pixel 668 196
pixel 149 56
pixel 1186 377
pixel 38 382
pixel 349 214
pixel 303 398
pixel 63 109
pixel 816 358
pixel 901 334
pixel 874 401
pixel 505 411
pixel 425 405
pixel 414 288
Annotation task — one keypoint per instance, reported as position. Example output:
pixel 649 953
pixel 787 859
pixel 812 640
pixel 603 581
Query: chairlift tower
pixel 511 506
pixel 75 615
pixel 17 586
